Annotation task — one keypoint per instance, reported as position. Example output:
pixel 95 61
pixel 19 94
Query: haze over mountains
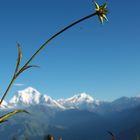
pixel 78 117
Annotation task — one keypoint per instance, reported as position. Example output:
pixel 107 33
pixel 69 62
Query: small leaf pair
pixel 17 71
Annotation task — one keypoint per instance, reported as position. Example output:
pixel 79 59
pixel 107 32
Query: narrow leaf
pixel 105 5
pixel 4 117
pixel 101 19
pixel 104 16
pixel 96 5
pixel 19 57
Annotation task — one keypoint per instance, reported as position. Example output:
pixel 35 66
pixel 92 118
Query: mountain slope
pixel 31 96
pixel 80 101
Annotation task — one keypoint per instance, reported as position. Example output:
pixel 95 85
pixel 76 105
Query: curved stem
pixel 41 47
pixel 58 33
pixel 8 88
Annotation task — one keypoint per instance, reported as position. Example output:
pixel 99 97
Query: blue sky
pixel 100 60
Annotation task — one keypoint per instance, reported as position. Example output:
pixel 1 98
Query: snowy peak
pixel 80 98
pixel 80 101
pixel 31 96
pixel 27 96
pixel 83 97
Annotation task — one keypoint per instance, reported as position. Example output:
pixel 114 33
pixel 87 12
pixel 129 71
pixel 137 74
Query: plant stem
pixel 58 33
pixel 8 88
pixel 41 47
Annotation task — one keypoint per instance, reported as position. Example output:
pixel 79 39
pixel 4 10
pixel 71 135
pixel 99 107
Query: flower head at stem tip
pixel 101 11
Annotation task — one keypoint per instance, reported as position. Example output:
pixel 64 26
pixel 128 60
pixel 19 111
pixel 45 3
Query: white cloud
pixel 18 84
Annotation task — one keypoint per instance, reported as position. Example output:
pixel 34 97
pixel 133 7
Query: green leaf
pixel 104 16
pixel 96 5
pixel 6 116
pixel 19 57
pixel 105 5
pixel 101 19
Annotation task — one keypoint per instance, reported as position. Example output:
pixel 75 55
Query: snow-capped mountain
pixel 80 101
pixel 27 96
pixel 31 96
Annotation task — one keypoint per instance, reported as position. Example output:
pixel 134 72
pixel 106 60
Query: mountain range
pixel 78 117
pixel 31 97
